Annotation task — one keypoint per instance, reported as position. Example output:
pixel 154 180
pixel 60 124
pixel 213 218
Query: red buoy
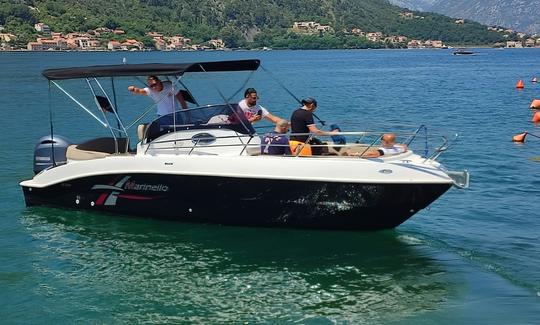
pixel 519 84
pixel 535 104
pixel 536 117
pixel 519 137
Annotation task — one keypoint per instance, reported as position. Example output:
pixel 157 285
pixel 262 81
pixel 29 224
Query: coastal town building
pixel 358 32
pixel 132 45
pixel 415 44
pixel 160 44
pixel 43 44
pixel 7 37
pixel 155 35
pixel 514 44
pixel 42 28
pixel 217 43
pixel 395 39
pixel 178 42
pixel 530 42
pixel 310 27
pixel 374 37
pixel 436 44
pixel 407 15
pixel 114 46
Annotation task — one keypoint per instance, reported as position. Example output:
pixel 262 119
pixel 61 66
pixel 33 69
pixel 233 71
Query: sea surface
pixel 472 257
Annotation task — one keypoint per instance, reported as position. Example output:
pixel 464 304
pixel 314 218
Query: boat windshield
pixel 224 116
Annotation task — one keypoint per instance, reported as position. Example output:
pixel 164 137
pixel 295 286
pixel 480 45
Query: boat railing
pixel 360 143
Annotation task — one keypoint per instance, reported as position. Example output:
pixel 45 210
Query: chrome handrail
pixel 245 141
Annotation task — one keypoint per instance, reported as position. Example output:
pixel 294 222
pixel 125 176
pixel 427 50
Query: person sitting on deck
pixel 253 111
pixel 388 147
pixel 276 142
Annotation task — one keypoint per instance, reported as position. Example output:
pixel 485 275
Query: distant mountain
pixel 520 15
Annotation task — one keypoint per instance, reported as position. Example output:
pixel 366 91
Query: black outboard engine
pixel 50 152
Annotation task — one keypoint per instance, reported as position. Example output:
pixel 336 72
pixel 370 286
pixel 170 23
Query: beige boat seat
pixel 141 130
pixel 97 148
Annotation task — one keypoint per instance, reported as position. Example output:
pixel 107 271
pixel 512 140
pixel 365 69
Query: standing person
pixel 276 142
pixel 302 122
pixel 162 92
pixel 253 111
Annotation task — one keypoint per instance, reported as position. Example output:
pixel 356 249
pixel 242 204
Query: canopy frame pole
pixel 323 123
pixel 103 113
pixel 51 126
pixel 118 121
pixel 226 101
pixel 81 105
pixel 115 107
pixel 189 92
pixel 243 85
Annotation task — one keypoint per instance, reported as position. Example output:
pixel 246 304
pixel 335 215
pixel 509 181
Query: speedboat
pixel 463 52
pixel 204 164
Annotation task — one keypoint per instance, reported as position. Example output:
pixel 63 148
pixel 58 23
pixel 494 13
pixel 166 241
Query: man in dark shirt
pixel 302 122
pixel 276 142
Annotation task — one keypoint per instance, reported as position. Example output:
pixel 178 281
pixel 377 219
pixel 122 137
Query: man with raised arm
pixel 163 94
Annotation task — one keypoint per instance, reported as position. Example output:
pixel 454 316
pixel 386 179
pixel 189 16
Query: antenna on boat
pixel 323 123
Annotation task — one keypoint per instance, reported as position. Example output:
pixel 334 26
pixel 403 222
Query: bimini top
pixel 160 69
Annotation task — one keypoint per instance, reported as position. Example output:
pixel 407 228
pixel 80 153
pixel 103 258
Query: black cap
pixel 309 100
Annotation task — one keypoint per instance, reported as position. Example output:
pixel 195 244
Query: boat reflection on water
pixel 167 271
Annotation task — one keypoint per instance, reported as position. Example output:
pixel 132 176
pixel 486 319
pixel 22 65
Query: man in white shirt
pixel 253 111
pixel 163 94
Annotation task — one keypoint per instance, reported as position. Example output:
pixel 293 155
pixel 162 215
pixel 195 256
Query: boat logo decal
pixel 114 191
pixel 132 186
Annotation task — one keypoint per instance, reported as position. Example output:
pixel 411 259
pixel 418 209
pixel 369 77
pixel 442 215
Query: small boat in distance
pixel 462 51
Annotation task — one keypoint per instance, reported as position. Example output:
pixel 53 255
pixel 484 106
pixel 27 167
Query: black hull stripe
pixel 244 201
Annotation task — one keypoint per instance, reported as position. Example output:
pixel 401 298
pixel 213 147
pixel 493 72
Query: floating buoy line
pixel 535 104
pixel 521 137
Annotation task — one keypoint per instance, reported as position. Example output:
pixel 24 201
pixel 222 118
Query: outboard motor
pixel 50 152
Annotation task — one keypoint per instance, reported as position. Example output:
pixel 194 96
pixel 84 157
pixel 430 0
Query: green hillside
pixel 239 22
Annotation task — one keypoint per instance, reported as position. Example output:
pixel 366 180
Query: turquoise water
pixel 472 257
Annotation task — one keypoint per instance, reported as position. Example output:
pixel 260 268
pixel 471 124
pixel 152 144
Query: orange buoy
pixel 519 137
pixel 536 117
pixel 519 84
pixel 534 79
pixel 535 104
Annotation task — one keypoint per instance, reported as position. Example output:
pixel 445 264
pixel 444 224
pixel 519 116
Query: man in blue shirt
pixel 276 142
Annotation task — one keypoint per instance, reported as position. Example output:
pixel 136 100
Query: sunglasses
pixel 154 85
